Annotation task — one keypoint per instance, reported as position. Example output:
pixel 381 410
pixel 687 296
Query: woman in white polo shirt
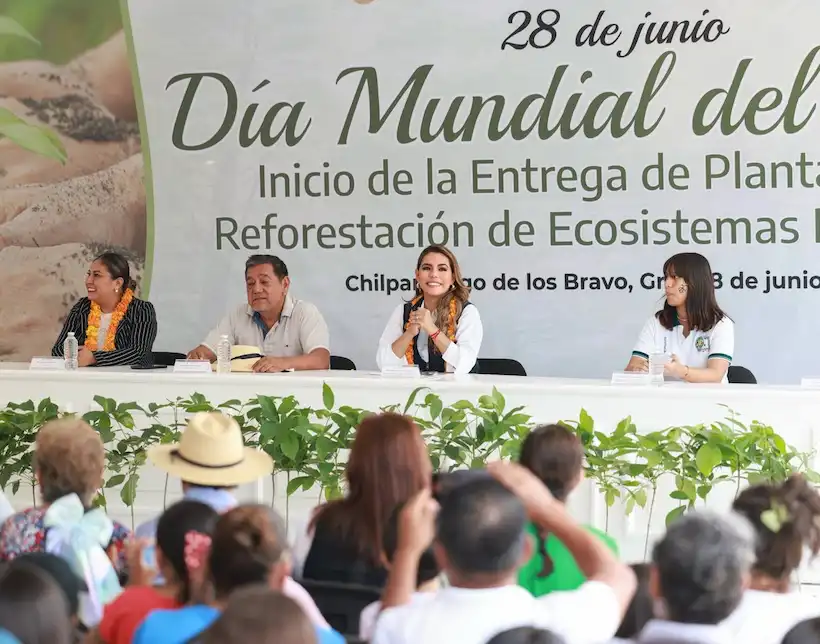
pixel 691 327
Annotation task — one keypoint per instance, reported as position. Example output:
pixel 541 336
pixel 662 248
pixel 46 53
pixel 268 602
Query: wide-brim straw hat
pixel 211 452
pixel 243 357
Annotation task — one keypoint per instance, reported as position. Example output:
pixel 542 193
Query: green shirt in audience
pixel 565 575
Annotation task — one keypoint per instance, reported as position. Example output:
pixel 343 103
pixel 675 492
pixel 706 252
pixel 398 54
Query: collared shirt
pixel 658 631
pixel 694 350
pixel 476 615
pixel 300 330
pixel 460 356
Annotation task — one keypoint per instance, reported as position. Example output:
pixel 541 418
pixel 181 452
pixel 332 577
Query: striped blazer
pixel 135 334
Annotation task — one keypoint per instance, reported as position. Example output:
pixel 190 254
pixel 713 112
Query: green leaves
pixel 35 138
pixel 310 445
pixel 10 27
pixel 707 458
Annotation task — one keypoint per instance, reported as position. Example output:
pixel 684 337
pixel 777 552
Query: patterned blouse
pixel 25 532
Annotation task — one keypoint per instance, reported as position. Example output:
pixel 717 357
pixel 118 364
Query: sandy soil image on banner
pixel 71 168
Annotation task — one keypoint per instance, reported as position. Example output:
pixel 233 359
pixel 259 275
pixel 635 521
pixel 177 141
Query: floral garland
pixel 94 317
pixel 451 328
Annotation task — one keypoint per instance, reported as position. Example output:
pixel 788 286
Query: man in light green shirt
pixel 555 455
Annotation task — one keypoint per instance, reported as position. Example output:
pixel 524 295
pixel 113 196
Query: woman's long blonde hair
pixel 459 291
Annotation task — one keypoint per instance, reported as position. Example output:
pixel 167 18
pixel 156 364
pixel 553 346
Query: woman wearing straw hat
pixel 211 459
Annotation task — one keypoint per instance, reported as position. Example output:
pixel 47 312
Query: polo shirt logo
pixel 702 343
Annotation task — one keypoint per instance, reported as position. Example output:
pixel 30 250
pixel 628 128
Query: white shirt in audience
pixel 370 613
pixel 589 615
pixel 663 632
pixel 764 617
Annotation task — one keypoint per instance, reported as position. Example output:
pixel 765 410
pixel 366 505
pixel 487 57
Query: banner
pixel 71 167
pixel 563 150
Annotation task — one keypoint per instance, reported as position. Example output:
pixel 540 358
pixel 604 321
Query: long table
pixel 793 412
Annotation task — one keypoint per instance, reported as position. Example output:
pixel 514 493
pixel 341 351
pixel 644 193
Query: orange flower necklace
pixel 451 327
pixel 91 341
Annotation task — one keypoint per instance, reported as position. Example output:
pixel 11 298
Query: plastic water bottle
pixel 223 355
pixel 71 351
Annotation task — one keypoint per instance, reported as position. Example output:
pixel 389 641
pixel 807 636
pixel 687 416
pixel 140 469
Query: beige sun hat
pixel 243 357
pixel 211 452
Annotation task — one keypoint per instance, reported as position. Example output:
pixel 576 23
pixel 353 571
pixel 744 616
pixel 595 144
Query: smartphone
pixel 149 366
pixel 149 556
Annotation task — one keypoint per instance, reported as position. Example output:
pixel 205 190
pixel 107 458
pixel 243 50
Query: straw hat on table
pixel 211 453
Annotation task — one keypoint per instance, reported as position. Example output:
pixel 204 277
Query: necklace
pixel 92 342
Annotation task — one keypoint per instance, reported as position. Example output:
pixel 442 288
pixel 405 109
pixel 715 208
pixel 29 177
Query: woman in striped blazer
pixel 111 325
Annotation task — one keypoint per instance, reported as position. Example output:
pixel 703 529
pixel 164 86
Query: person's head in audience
pixel 387 465
pixel 212 460
pixel 527 635
pixel 69 458
pixel 481 538
pixel 427 578
pixel 786 518
pixel 805 632
pixel 59 570
pixel 640 609
pixel 267 283
pixel 183 540
pixel 33 608
pixel 555 455
pixel 261 615
pixel 249 546
pixel 700 568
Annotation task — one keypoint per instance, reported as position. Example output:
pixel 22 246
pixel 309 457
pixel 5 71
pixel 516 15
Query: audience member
pixel 61 573
pixel 806 632
pixel 786 518
pixel 33 608
pixel 388 464
pixel 699 572
pixel 183 538
pixel 249 547
pixel 556 456
pixel 260 615
pixel 212 461
pixel 640 609
pixel 527 635
pixel 480 542
pixel 69 462
pixel 427 578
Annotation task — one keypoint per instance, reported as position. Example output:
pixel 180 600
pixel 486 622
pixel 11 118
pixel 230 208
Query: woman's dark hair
pixel 33 608
pixel 247 543
pixel 805 632
pixel 428 568
pixel 701 303
pixel 786 517
pixel 556 456
pixel 640 608
pixel 261 615
pixel 118 267
pixel 387 465
pixel 527 635
pixel 173 527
